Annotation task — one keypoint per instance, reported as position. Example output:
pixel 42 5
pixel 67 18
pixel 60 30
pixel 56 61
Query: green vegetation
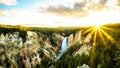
pixel 105 55
pixel 68 60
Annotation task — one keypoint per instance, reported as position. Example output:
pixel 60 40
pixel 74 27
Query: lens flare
pixel 100 31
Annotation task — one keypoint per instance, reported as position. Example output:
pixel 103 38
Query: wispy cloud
pixel 8 12
pixel 8 2
pixel 77 10
pixel 25 17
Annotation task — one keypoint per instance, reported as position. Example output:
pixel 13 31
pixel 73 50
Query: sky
pixel 55 13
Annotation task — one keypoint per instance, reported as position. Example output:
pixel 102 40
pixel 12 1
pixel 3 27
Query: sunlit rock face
pixel 70 40
pixel 86 46
pixel 11 42
pixel 83 41
pixel 87 39
pixel 39 41
pixel 73 39
pixel 2 39
pixel 9 48
pixel 84 49
pixel 29 53
pixel 31 39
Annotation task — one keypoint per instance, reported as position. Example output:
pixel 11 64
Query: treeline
pixel 65 31
pixel 11 29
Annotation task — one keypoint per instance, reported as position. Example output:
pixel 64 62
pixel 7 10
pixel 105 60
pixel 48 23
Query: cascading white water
pixel 63 48
pixel 64 45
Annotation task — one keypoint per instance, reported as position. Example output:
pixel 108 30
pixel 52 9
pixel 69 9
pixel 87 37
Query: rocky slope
pixel 29 53
pixel 81 40
pixel 16 53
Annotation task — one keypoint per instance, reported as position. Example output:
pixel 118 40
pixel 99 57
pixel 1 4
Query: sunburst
pixel 99 30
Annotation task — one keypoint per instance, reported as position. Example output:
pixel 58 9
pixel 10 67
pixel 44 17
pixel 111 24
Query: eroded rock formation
pixel 27 54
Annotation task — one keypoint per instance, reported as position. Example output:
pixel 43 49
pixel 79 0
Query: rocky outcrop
pixel 83 41
pixel 84 49
pixel 86 46
pixel 83 66
pixel 73 39
pixel 57 38
pixel 28 53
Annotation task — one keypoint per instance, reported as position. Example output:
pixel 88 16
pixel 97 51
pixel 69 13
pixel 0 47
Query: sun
pixel 97 26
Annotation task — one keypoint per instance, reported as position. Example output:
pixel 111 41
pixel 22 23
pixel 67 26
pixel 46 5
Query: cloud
pixel 80 8
pixel 5 13
pixel 62 10
pixel 8 12
pixel 2 13
pixel 118 2
pixel 8 2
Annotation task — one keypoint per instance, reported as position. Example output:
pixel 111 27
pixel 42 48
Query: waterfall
pixel 63 48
